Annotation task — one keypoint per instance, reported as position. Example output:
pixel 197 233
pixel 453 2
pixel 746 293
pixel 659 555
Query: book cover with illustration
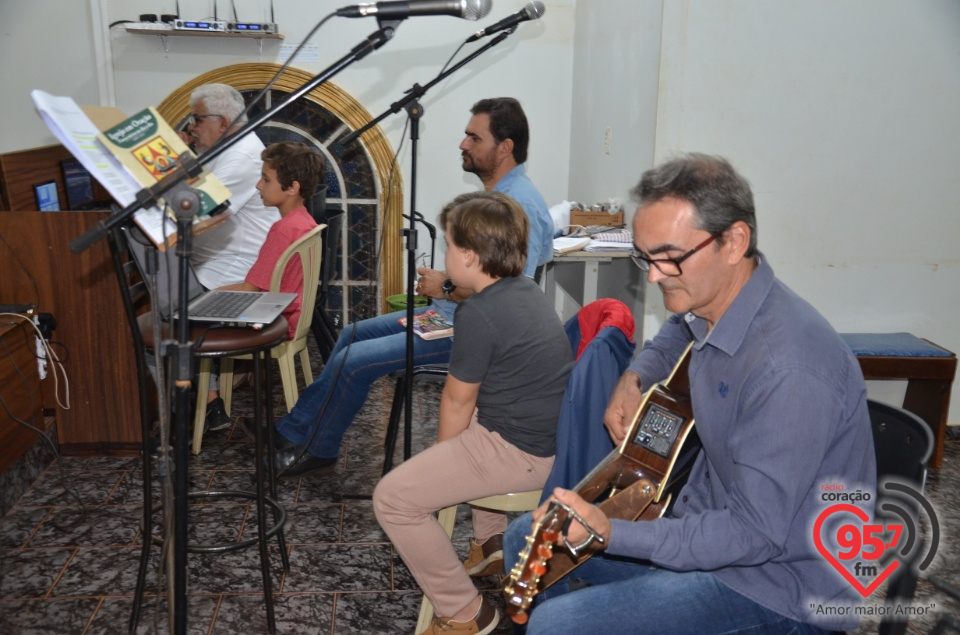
pixel 430 325
pixel 148 148
pixel 79 128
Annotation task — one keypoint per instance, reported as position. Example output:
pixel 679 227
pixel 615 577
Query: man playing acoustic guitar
pixel 780 408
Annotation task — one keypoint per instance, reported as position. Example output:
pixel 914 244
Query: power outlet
pixel 607 139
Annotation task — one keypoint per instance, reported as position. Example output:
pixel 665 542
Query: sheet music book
pixel 149 148
pixel 78 134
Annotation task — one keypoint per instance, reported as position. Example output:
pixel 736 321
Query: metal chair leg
pixel 393 426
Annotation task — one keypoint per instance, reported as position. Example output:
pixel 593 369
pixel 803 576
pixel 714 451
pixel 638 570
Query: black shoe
pixel 287 465
pixel 280 442
pixel 217 418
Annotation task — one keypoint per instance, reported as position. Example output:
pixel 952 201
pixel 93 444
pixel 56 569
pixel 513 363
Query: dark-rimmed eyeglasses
pixel 193 118
pixel 667 266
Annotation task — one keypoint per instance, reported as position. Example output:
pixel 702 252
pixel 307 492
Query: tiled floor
pixel 69 548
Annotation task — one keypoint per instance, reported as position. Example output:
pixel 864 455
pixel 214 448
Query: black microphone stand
pixel 410 102
pixel 186 203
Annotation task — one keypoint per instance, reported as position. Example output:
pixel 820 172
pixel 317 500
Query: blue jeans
pixel 631 596
pixel 332 401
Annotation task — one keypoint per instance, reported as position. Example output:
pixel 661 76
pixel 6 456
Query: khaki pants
pixel 474 464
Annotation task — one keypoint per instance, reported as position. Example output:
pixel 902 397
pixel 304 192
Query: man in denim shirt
pixel 780 408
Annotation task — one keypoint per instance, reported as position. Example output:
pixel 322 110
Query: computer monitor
pixel 48 200
pixel 78 184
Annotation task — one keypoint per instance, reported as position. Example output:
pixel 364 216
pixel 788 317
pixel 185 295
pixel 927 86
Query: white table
pixel 576 279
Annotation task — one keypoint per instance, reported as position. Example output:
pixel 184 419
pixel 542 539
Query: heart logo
pixel 862 515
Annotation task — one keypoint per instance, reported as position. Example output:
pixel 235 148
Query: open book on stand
pixel 430 325
pixel 129 155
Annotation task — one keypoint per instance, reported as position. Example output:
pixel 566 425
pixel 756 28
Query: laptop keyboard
pixel 224 304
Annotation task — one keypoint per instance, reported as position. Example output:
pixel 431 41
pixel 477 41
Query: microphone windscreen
pixel 476 9
pixel 535 10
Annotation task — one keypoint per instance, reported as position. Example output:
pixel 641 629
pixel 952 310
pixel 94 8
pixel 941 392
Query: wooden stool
pixel 513 502
pixel 927 368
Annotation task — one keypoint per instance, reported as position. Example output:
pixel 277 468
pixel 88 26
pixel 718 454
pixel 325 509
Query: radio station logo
pixel 866 551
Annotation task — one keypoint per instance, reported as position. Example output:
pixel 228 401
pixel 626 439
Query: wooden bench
pixel 927 368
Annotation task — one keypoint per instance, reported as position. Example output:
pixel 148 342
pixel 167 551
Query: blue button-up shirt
pixel 521 189
pixel 780 408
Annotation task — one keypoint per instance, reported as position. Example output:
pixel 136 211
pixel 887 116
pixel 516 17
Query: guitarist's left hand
pixel 590 513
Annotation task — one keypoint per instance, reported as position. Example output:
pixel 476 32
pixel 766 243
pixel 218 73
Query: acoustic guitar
pixel 635 482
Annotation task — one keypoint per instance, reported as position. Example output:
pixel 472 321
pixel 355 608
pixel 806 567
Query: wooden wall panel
pixel 82 294
pixel 19 389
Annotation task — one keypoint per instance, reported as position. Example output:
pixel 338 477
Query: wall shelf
pixel 163 34
pixel 167 32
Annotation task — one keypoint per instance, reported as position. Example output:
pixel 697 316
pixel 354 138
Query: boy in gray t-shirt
pixel 499 409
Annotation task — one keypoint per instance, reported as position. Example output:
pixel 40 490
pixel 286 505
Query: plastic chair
pixel 513 502
pixel 904 444
pixel 309 249
pixel 326 329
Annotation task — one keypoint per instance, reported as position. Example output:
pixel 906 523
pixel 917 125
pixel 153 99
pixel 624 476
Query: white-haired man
pixel 224 255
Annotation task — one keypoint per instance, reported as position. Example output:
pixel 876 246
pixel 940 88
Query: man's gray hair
pixel 220 99
pixel 719 194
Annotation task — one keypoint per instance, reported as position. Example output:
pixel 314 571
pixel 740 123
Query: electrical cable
pixel 54 362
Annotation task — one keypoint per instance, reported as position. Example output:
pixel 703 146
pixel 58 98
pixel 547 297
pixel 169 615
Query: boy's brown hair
pixel 294 161
pixel 493 226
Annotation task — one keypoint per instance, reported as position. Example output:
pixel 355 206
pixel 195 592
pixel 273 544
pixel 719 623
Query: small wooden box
pixel 587 218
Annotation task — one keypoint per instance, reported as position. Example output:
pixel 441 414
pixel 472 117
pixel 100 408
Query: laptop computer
pixel 252 309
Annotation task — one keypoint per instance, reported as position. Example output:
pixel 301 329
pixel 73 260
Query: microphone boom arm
pixel 416 91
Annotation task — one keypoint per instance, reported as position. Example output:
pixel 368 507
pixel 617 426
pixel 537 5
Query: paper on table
pixel 609 245
pixel 567 244
pixel 78 134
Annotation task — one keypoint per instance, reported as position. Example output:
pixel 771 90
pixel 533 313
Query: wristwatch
pixel 447 288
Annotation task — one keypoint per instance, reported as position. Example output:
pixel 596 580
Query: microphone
pixel 466 9
pixel 532 11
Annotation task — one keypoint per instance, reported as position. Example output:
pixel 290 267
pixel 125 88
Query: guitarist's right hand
pixel 623 406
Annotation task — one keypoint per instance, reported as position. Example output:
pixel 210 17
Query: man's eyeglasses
pixel 667 266
pixel 193 118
